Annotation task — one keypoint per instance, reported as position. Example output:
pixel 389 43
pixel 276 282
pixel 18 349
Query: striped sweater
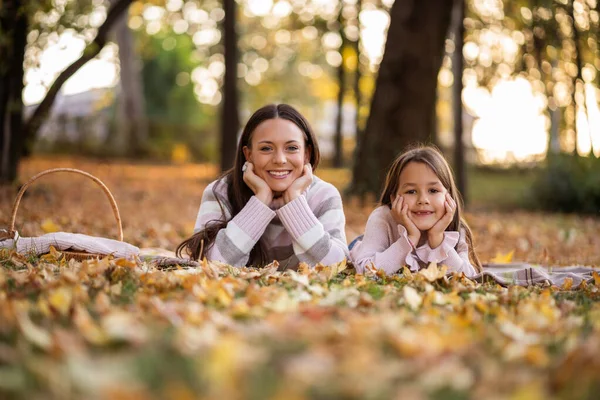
pixel 309 229
pixel 385 245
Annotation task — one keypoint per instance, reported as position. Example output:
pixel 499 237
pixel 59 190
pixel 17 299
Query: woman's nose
pixel 279 157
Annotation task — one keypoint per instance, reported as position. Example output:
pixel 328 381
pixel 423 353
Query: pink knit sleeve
pixel 380 247
pixel 234 242
pixel 317 229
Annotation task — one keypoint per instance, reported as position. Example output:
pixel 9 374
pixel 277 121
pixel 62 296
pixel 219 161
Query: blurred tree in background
pixel 25 29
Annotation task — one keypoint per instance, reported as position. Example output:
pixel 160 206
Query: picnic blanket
pixel 70 241
pixel 524 274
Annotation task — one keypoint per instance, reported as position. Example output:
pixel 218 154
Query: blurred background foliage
pixel 540 57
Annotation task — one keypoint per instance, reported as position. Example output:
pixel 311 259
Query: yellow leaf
pixel 432 273
pixel 123 262
pixel 568 284
pixel 48 226
pixel 596 278
pixel 503 258
pixel 60 299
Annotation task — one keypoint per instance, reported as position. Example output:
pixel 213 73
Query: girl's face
pixel 424 193
pixel 278 151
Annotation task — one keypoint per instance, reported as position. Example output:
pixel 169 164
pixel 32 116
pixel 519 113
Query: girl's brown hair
pixel 238 193
pixel 432 157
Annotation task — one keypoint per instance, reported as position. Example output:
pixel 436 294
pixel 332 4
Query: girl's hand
pixel 401 216
pixel 435 235
pixel 260 188
pixel 299 185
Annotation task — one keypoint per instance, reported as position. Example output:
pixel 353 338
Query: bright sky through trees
pixel 510 122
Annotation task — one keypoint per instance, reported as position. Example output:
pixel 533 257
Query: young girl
pixel 419 219
pixel 270 206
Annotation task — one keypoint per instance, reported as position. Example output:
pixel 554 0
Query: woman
pixel 270 206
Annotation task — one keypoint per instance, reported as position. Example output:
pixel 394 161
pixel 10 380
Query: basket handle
pixel 113 203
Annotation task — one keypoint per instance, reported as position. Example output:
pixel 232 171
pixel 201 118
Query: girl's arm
pixel 234 242
pixel 452 252
pixel 378 247
pixel 318 233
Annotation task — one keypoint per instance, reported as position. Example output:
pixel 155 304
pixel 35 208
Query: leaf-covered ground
pixel 117 329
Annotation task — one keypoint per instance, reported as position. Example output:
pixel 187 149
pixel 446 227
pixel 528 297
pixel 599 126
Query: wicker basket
pixel 68 254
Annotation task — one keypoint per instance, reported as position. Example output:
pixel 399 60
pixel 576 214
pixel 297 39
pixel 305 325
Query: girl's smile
pixel 424 194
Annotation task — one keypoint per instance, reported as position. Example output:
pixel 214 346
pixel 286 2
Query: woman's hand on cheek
pixel 260 188
pixel 435 235
pixel 299 185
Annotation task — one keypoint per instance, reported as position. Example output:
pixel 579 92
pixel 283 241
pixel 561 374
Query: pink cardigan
pixel 386 246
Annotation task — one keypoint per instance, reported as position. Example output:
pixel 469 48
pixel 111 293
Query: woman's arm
pixel 318 232
pixel 234 242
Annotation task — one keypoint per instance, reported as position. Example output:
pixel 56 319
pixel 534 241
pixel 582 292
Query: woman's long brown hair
pixel 238 193
pixel 432 157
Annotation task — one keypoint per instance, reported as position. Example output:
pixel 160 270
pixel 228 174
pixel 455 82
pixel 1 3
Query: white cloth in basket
pixel 72 241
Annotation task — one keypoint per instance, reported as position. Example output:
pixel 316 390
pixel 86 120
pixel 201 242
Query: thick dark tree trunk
pixel 460 170
pixel 230 114
pixel 405 92
pixel 338 155
pixel 14 25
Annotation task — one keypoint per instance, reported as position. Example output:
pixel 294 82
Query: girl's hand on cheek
pixel 401 215
pixel 299 185
pixel 260 188
pixel 435 236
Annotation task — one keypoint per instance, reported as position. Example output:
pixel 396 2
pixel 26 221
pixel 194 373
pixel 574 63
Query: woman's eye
pixel 293 148
pixel 265 148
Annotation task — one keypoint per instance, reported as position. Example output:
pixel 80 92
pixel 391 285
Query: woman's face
pixel 278 151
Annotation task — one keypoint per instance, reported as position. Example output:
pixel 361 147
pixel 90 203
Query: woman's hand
pixel 401 216
pixel 261 189
pixel 435 235
pixel 299 185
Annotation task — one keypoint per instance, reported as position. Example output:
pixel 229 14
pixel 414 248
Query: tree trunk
pixel 338 157
pixel 405 91
pixel 358 73
pixel 14 23
pixel 229 111
pixel 131 122
pixel 578 80
pixel 458 15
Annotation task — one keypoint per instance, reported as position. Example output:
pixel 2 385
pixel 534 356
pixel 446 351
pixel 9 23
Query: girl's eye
pixel 266 148
pixel 433 191
pixel 293 148
pixel 412 191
